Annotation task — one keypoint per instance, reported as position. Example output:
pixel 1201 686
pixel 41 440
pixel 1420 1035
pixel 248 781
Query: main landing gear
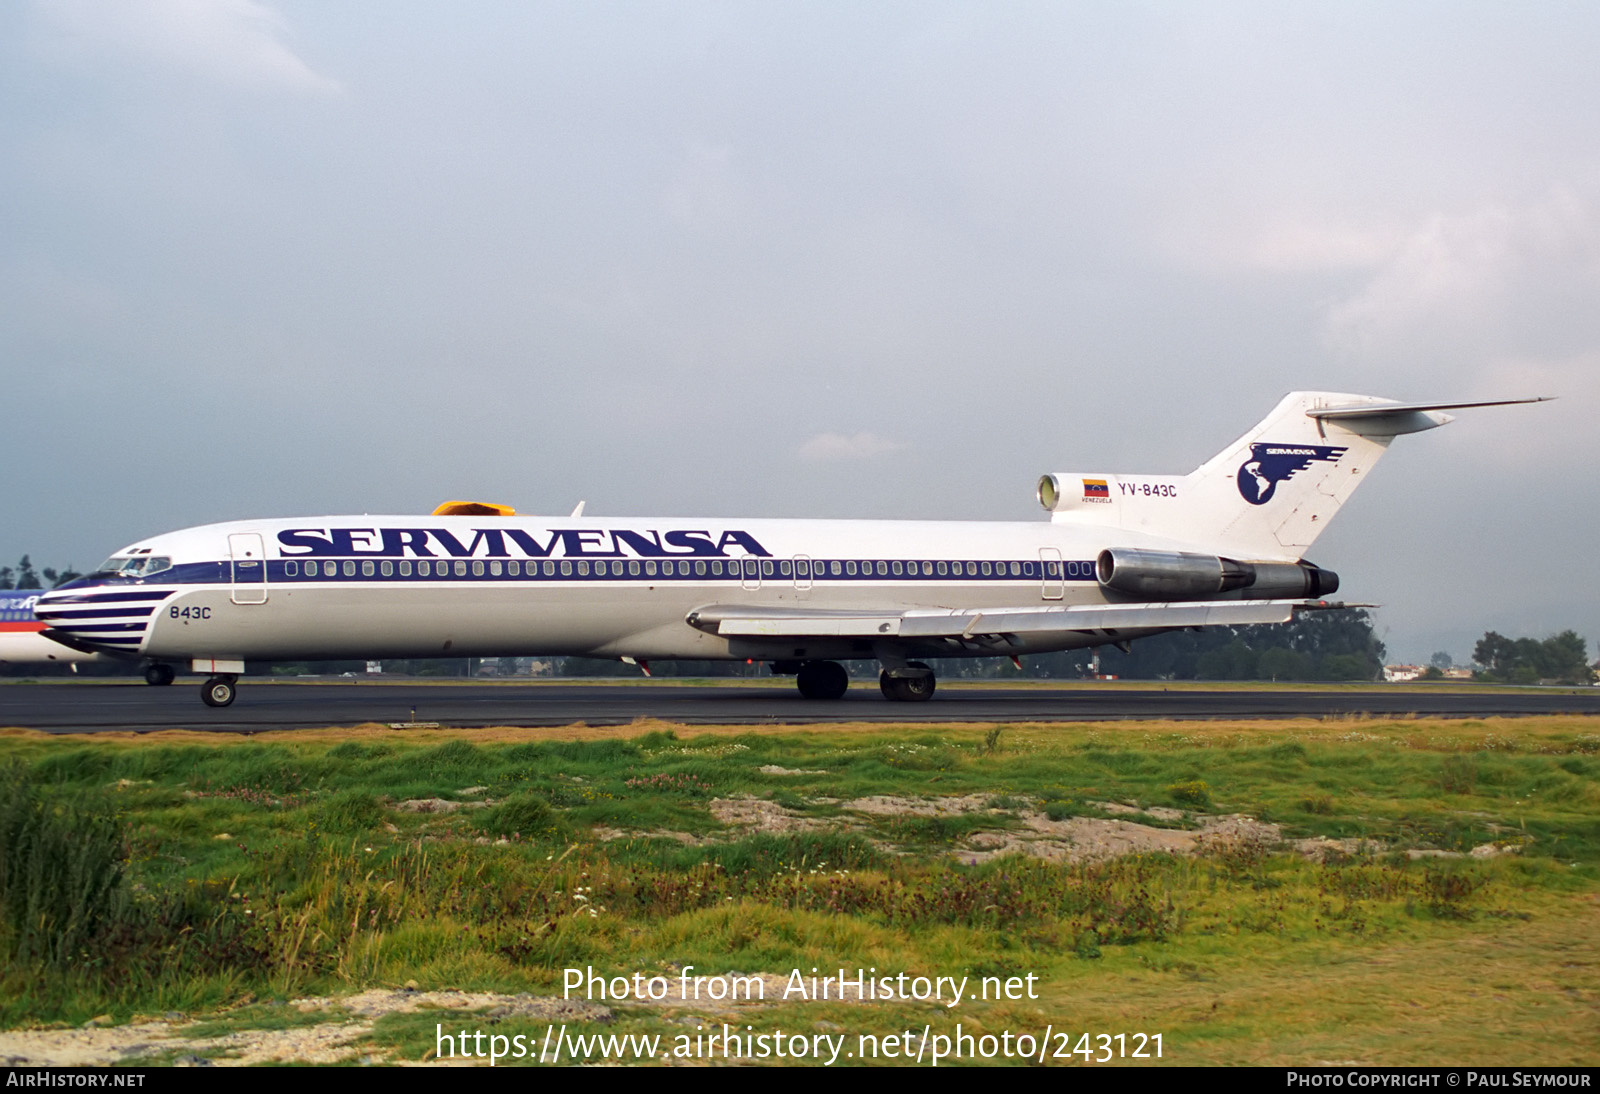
pixel 912 684
pixel 159 676
pixel 218 691
pixel 903 682
pixel 822 680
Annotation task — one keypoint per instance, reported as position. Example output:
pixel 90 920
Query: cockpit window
pixel 140 566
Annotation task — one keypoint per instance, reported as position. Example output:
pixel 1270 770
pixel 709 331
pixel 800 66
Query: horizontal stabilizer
pixel 763 622
pixel 1375 419
pixel 1379 410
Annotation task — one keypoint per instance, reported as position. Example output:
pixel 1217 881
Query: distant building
pixel 1399 673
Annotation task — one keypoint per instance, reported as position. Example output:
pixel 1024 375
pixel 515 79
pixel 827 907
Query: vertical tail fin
pixel 1273 491
pixel 1269 494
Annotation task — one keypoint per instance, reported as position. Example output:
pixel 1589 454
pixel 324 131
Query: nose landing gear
pixel 218 691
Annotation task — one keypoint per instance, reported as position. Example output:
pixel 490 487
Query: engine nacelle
pixel 1180 575
pixel 1168 575
pixel 1291 581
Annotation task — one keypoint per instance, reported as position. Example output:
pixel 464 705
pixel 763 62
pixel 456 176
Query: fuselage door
pixel 249 562
pixel 750 572
pixel 1053 574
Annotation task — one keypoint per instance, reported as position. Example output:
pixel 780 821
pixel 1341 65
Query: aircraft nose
pixel 104 617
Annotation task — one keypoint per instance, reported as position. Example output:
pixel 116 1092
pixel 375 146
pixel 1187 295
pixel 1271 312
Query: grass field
pixel 1387 892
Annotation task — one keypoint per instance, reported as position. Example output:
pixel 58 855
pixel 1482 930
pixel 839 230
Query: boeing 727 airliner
pixel 1121 557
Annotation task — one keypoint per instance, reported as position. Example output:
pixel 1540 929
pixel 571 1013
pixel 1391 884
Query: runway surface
pixel 67 707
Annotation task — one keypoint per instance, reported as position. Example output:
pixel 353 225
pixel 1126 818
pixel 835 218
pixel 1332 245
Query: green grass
pixel 269 868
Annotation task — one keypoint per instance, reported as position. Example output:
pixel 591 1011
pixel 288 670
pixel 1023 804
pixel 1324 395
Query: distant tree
pixel 1283 664
pixel 26 578
pixel 1442 661
pixel 8 578
pixel 1493 653
pixel 1347 666
pixel 1235 661
pixel 1561 658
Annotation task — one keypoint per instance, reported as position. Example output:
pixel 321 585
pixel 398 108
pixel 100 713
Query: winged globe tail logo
pixel 1269 464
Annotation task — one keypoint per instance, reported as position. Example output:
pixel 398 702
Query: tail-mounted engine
pixel 1177 575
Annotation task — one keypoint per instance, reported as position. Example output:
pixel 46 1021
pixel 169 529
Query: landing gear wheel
pixel 159 676
pixel 822 680
pixel 218 691
pixel 908 689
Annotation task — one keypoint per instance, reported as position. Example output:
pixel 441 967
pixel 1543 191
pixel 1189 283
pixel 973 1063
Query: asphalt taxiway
pixel 74 707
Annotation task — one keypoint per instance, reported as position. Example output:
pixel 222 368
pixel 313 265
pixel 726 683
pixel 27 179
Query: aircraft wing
pixel 729 620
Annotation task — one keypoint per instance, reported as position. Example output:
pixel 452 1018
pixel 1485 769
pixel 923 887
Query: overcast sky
pixel 853 259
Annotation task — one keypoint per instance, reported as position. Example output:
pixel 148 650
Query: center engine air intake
pixel 1180 575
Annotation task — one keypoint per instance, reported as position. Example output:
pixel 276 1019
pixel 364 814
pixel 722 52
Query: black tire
pixel 909 689
pixel 159 676
pixel 217 692
pixel 822 680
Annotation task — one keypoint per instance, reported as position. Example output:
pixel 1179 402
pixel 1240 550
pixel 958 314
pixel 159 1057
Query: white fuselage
pixel 437 586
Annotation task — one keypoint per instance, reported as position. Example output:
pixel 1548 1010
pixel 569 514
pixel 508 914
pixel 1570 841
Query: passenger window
pixel 833 568
pixel 349 569
pixel 985 569
pixel 699 569
pixel 405 567
pixel 667 568
pixel 883 569
pixel 424 568
pixel 896 567
pixel 633 567
pixel 783 567
pixel 927 569
pixel 650 569
pixel 1016 569
pixel 850 567
pixel 583 569
pixel 477 568
pixel 494 569
pixel 566 568
pixel 549 569
pixel 766 567
pixel 291 569
pixel 514 568
pixel 367 568
pixel 943 568
pixel 972 569
pixel 387 568
pixel 461 569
